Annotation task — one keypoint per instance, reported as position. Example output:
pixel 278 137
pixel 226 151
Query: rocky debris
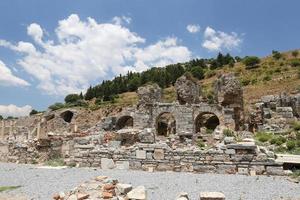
pixel 187 90
pixel 102 188
pixel 138 193
pixel 149 94
pixel 182 196
pixel 147 135
pixel 212 196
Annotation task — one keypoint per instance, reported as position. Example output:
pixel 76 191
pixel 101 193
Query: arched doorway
pixel 67 116
pixel 165 124
pixel 206 120
pixel 124 122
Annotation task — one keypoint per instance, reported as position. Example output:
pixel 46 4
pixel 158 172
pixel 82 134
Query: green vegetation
pixel 1 117
pixel 228 133
pixel 263 136
pixel 7 188
pixel 295 62
pixel 295 53
pixel 200 143
pixel 55 162
pixel 251 61
pixel 276 55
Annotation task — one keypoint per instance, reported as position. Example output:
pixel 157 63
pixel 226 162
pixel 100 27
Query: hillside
pixel 271 76
pixel 276 73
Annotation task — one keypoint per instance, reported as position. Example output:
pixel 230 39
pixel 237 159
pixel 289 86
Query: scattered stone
pixel 212 196
pixel 107 163
pixel 123 188
pixel 138 193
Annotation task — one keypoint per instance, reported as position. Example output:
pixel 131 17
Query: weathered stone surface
pixel 158 154
pixel 123 188
pixel 140 154
pixel 242 145
pixel 147 136
pixel 187 90
pixel 122 165
pixel 212 196
pixel 107 163
pixel 149 94
pixel 138 193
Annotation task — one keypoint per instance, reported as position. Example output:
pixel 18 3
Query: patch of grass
pixel 263 136
pixel 295 174
pixel 228 133
pixel 200 143
pixel 296 125
pixel 55 162
pixel 291 144
pixel 8 188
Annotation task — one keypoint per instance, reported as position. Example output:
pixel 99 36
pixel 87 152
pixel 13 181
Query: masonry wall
pixel 231 159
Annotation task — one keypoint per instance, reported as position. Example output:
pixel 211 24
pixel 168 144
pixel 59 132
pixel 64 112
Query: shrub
pixel 295 62
pixel 280 140
pixel 276 55
pixel 72 98
pixel 267 78
pixel 251 61
pixel 228 133
pixel 55 162
pixel 290 144
pixel 263 136
pixel 296 126
pixel 295 53
pixel 33 112
pixel 200 143
pixel 298 143
pixel 245 81
pixel 210 73
pixel 56 106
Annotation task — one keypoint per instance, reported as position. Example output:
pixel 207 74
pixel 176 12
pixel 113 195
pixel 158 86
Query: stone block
pixel 158 154
pixel 243 171
pixel 140 154
pixel 123 188
pixel 138 193
pixel 122 165
pixel 230 151
pixel 275 170
pixel 107 163
pixel 212 196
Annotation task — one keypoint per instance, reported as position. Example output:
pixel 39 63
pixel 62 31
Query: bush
pixel 228 133
pixel 200 143
pixel 295 62
pixel 72 98
pixel 263 136
pixel 33 112
pixel 295 53
pixel 296 126
pixel 290 145
pixel 267 78
pixel 56 106
pixel 55 162
pixel 251 61
pixel 245 81
pixel 276 55
pixel 210 73
pixel 280 140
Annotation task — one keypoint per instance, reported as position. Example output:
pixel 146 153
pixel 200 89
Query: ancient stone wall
pixel 242 158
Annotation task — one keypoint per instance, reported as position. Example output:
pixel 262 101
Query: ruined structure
pixel 151 136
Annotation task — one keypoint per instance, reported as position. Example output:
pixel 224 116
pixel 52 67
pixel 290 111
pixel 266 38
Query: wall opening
pixel 67 116
pixel 165 124
pixel 124 122
pixel 209 121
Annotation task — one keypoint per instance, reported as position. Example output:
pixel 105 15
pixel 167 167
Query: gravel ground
pixel 41 183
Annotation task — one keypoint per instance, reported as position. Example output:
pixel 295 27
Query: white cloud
pixel 8 79
pixel 121 20
pixel 218 40
pixel 87 51
pixel 14 111
pixel 193 28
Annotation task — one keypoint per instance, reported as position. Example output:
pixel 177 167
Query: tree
pixel 295 53
pixel 1 117
pixel 72 98
pixel 276 55
pixel 197 72
pixel 33 112
pixel 251 61
pixel 56 106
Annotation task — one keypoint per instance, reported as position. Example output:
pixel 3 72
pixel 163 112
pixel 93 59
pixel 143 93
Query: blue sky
pixel 51 48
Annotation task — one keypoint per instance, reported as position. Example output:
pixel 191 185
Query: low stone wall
pixel 241 158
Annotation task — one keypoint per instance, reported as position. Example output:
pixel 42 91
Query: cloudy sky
pixel 51 48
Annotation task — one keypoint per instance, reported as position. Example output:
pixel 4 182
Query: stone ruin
pixel 153 135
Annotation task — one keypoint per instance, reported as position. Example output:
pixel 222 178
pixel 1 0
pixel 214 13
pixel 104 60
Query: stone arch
pixel 67 116
pixel 165 124
pixel 125 121
pixel 208 120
